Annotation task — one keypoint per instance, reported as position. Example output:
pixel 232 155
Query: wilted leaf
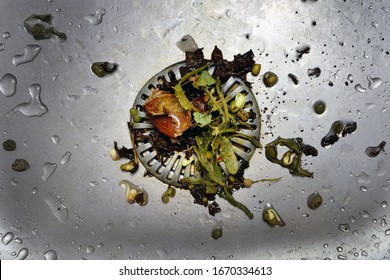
pixel 202 119
pixel 226 150
pixel 205 79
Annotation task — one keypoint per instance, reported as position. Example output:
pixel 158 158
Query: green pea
pixel 337 127
pixel 9 145
pixel 270 79
pixel 314 201
pixel 256 69
pixel 165 197
pixel 217 233
pixel 102 69
pixel 134 114
pixel 20 165
pixel 319 107
pixel 171 191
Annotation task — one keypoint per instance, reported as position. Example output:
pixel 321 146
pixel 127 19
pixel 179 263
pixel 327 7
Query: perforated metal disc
pixel 171 170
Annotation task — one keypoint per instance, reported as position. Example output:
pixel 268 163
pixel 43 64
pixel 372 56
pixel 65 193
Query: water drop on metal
pixel 50 255
pixel 29 54
pixel 364 214
pixel 48 170
pixel 97 17
pixel 360 88
pixel 23 254
pixel 32 108
pixel 8 85
pixel 55 139
pixel 344 227
pixel 89 249
pixel 373 83
pixel 7 238
pixel 65 158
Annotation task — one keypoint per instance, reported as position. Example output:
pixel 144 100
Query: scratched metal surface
pixel 80 211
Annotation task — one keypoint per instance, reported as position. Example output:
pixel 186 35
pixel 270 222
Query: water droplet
pixel 48 170
pixel 360 88
pixel 30 53
pixel 89 249
pixel 55 139
pixel 387 232
pixel 93 183
pixel 2 47
pixel 96 18
pixel 383 222
pixel 7 238
pixel 87 90
pixel 34 231
pixel 355 232
pixel 32 108
pixel 8 85
pixel 108 226
pixel 342 257
pixel 73 97
pixel 350 78
pixel 55 76
pixel 115 29
pixel 373 83
pixel 352 219
pixel 50 255
pixel 100 35
pixel 344 227
pixel 363 189
pixel 100 245
pixel 18 240
pixel 364 253
pixel 65 158
pixel 35 190
pixel 23 253
pixel 363 178
pixel 58 209
pixel 383 204
pixel 326 245
pixel 364 214
pixel 6 35
pixel 14 182
pixel 339 249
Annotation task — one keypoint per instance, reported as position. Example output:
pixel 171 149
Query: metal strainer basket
pixel 171 170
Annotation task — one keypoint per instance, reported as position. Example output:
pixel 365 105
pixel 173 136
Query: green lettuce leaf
pixel 202 119
pixel 204 80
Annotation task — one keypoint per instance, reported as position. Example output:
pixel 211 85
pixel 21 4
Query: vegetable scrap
pixel 293 157
pixel 40 27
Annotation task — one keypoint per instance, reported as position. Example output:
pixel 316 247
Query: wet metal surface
pixel 64 119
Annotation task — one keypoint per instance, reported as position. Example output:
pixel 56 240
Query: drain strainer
pixel 171 170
